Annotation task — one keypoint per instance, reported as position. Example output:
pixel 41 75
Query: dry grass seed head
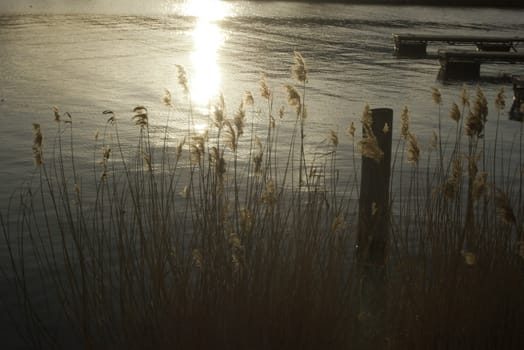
pixel 474 125
pixel 140 117
pixel 182 78
pixel 503 206
pixel 269 197
pixel 455 112
pixel 464 96
pixel 106 153
pixel 404 122
pixel 239 119
pixel 196 148
pixel 299 69
pixel 351 129
pixel 469 257
pixel 367 117
pixel 500 100
pixel 265 91
pixel 338 223
pixel 272 122
pixel 436 96
pixel 112 118
pixel 168 101
pixel 56 113
pixel 369 147
pixel 450 188
pixel 480 105
pixel 37 144
pixel 248 98
pixel 333 137
pixel 230 136
pixel 246 220
pixel 219 112
pixel 413 149
pixel 433 142
pixel 179 148
pixel 197 258
pixel 293 98
pixel 257 158
pixel 456 172
pixel 480 186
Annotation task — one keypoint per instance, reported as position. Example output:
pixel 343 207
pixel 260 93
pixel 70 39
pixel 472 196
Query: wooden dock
pixel 415 44
pixel 458 64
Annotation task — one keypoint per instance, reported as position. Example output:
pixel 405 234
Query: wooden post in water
pixel 373 233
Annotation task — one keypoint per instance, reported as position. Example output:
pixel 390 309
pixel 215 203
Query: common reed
pixel 226 239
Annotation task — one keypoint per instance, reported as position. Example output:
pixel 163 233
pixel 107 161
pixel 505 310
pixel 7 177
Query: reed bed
pixel 226 239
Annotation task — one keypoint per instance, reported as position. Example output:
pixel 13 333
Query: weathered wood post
pixel 373 232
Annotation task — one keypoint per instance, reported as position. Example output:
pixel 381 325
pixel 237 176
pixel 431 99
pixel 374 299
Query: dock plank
pixel 415 44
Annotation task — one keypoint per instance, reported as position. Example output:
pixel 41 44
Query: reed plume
pixel 454 113
pixel 433 141
pixel 197 148
pixel 293 99
pixel 436 96
pixel 474 124
pixel 404 122
pixel 480 186
pixel 504 208
pixel 464 96
pixel 333 137
pixel 56 112
pixel 368 145
pixel 265 91
pixel 258 156
pixel 366 117
pixel 179 148
pixel 140 117
pixel 413 149
pixel 230 137
pixel 240 119
pixel 480 105
pixel 299 69
pixel 248 98
pixel 500 100
pixel 182 79
pixel 167 99
pixel 351 129
pixel 37 144
pixel 219 112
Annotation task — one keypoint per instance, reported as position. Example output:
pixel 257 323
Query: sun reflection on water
pixel 208 37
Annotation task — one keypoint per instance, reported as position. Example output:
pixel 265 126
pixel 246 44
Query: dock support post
pixel 411 48
pixel 461 69
pixel 373 235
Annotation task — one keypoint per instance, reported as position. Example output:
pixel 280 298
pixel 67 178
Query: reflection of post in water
pixel 373 233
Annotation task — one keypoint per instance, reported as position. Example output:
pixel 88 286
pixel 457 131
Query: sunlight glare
pixel 207 40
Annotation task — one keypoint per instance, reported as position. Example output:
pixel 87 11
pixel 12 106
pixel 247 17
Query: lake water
pixel 85 60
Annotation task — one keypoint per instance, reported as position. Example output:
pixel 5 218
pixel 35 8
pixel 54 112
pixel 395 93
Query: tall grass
pixel 233 239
